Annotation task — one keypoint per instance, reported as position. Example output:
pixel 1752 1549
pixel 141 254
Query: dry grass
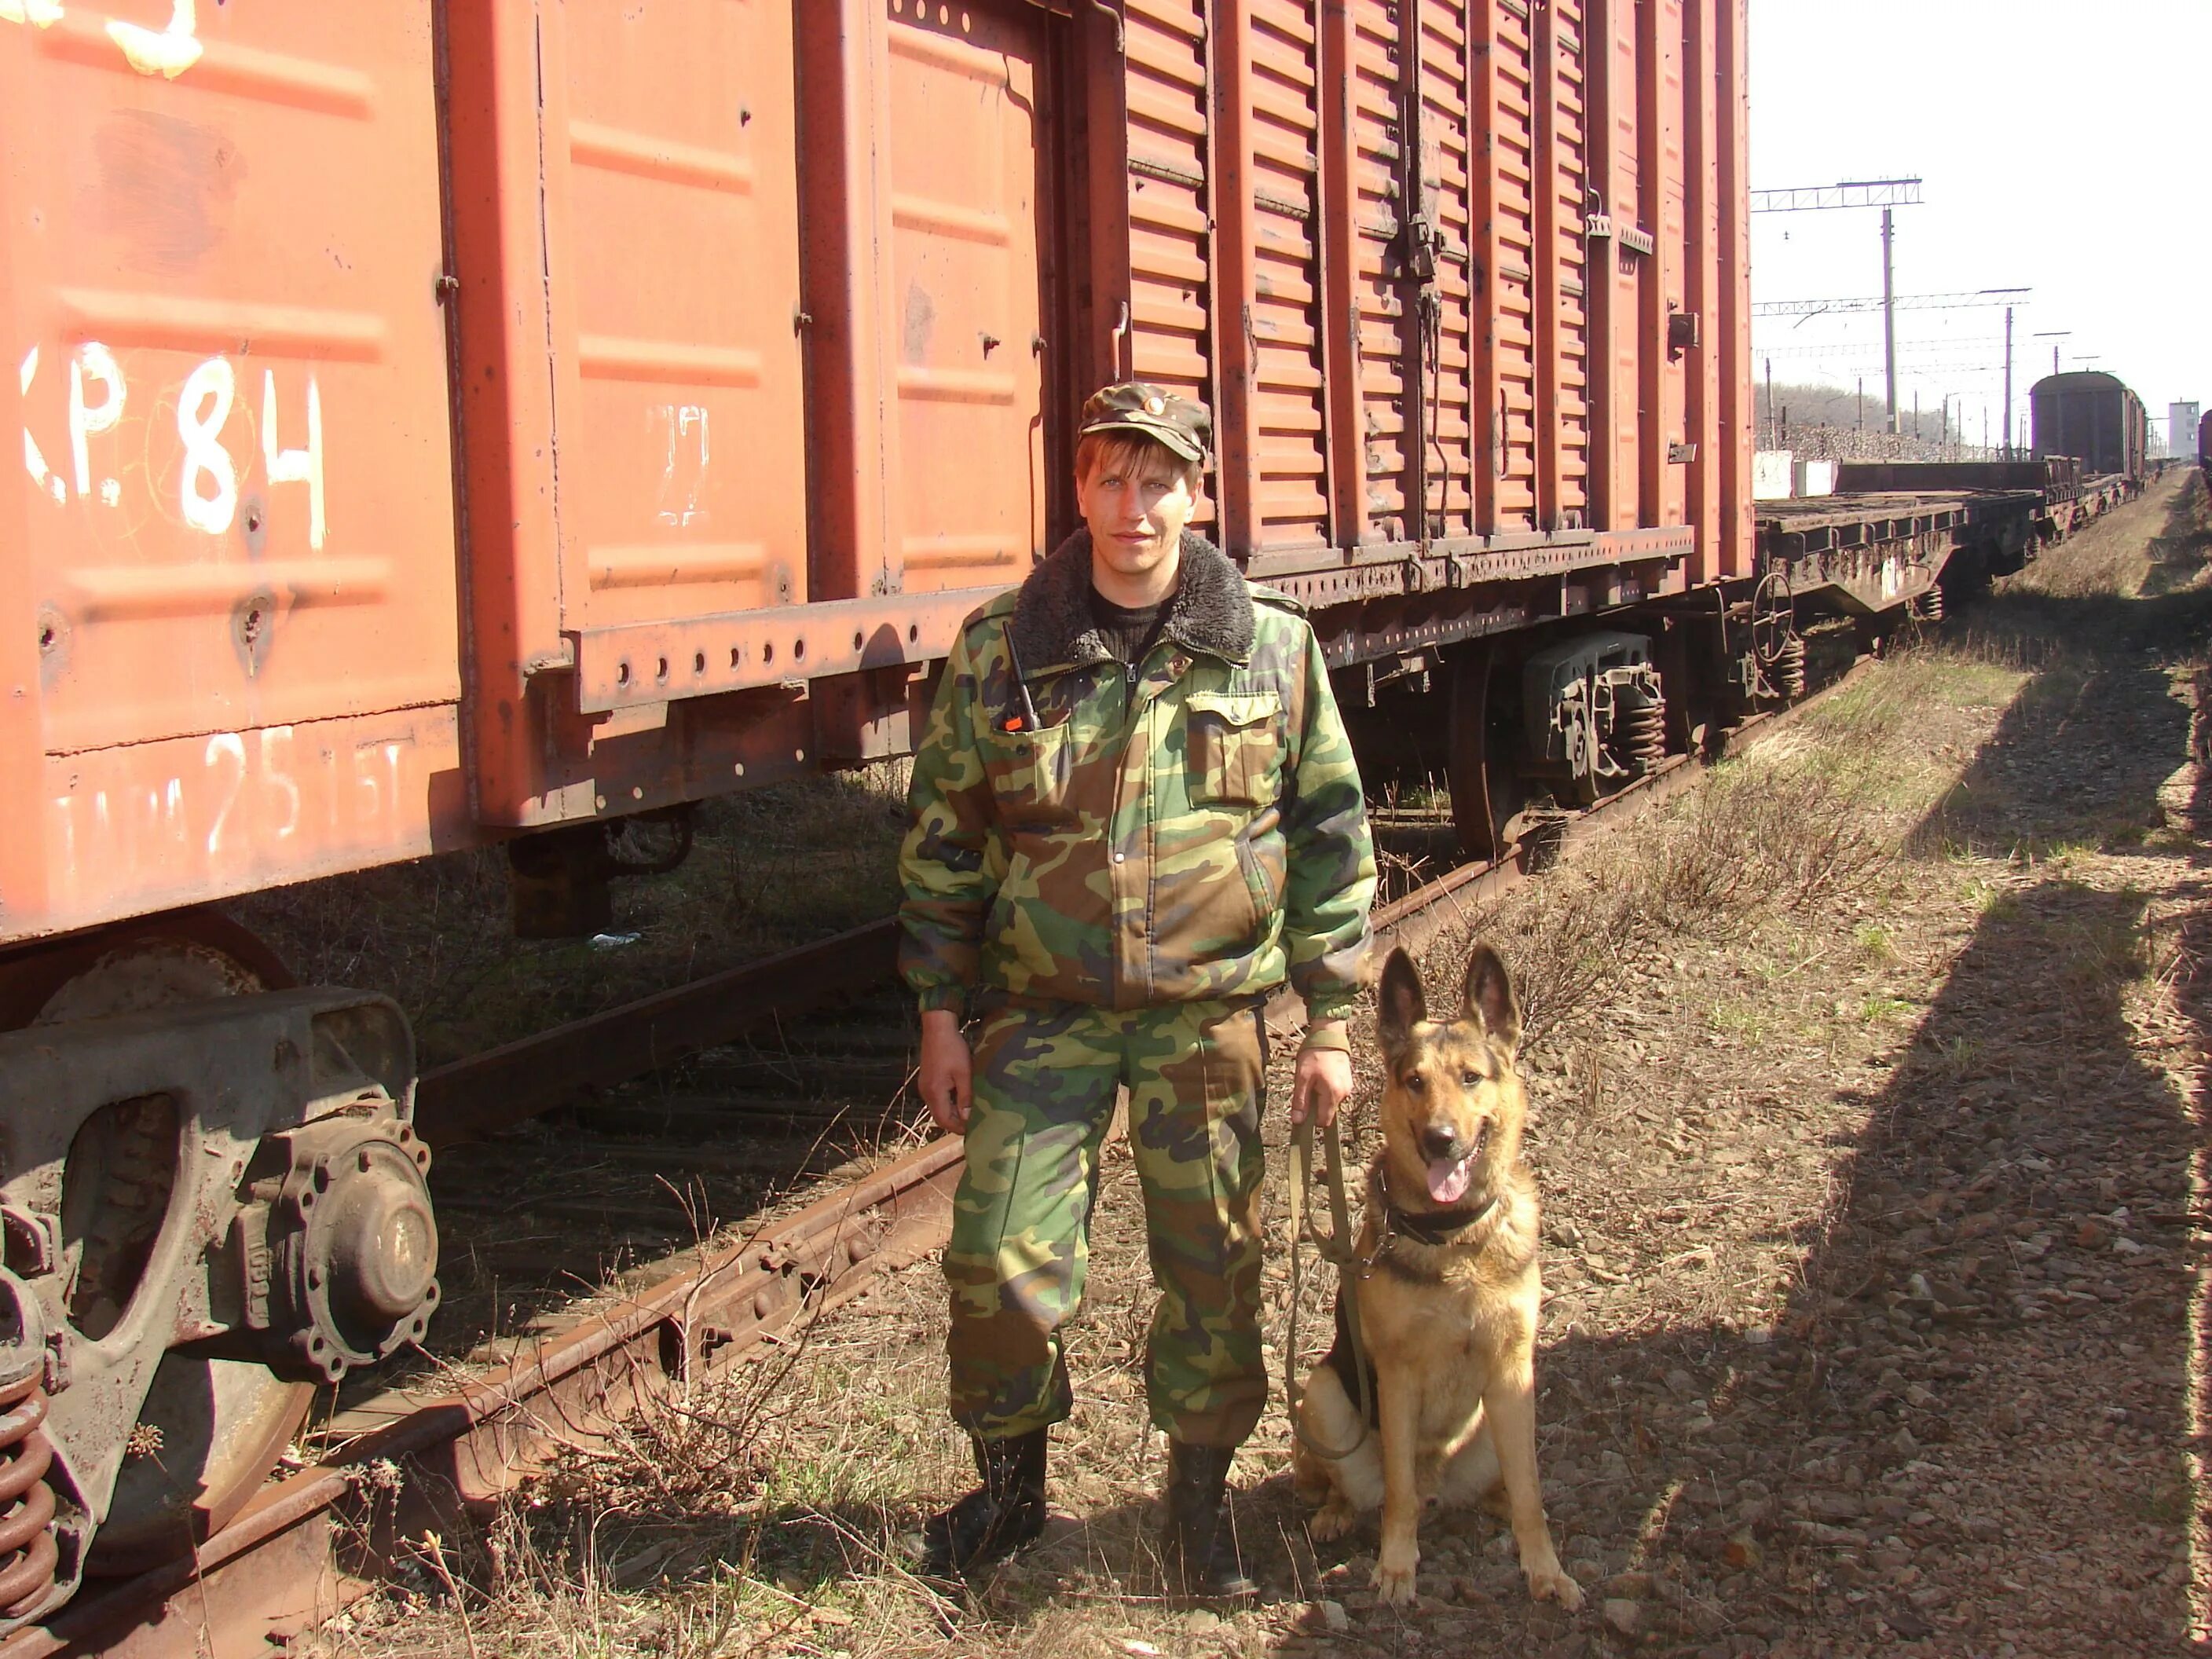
pixel 2113 558
pixel 1809 815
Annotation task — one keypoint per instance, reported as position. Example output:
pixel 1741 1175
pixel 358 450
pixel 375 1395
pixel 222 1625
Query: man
pixel 1135 812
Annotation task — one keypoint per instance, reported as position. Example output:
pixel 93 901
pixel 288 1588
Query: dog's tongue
pixel 1448 1182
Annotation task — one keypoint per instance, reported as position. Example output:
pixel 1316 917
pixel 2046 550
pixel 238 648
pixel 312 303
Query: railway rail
pixel 310 1543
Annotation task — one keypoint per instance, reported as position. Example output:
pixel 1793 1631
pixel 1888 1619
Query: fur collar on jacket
pixel 1053 627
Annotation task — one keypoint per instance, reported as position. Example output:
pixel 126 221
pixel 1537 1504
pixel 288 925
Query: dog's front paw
pixel 1555 1584
pixel 1393 1579
pixel 1333 1520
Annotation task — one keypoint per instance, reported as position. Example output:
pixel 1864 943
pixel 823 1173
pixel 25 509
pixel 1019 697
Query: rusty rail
pixel 275 1570
pixel 272 1571
pixel 503 1086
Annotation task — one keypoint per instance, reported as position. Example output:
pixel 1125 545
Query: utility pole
pixel 1889 312
pixel 2008 403
pixel 1884 193
pixel 1771 444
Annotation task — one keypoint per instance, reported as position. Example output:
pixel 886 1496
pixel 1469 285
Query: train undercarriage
pixel 213 1201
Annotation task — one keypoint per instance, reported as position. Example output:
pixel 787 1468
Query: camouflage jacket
pixel 1184 827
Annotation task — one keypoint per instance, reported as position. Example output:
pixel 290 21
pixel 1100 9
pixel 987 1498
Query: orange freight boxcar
pixel 629 413
pixel 447 421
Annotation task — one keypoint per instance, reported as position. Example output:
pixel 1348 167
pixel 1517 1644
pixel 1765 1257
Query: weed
pixel 1737 1019
pixel 1785 830
pixel 1951 1057
pixel 1876 942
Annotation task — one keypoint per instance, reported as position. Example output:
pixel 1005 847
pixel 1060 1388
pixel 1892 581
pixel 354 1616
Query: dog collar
pixel 1423 1226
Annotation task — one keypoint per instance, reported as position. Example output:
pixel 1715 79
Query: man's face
pixel 1136 505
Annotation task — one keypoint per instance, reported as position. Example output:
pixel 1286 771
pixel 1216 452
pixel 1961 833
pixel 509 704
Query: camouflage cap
pixel 1186 428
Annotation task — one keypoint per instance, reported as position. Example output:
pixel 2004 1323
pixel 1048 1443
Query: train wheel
pixel 1487 791
pixel 211 1431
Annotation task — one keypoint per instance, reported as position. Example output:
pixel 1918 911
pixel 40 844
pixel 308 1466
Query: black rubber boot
pixel 990 1523
pixel 1199 1548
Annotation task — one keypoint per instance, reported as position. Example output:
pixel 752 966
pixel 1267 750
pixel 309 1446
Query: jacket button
pixel 1120 858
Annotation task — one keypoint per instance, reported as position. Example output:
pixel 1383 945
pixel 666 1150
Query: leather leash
pixel 1335 1246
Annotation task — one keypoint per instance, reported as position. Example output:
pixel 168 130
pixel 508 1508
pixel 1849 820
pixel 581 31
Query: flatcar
pixel 457 422
pixel 2093 416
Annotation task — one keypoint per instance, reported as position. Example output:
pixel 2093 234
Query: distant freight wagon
pixel 2093 417
pixel 435 424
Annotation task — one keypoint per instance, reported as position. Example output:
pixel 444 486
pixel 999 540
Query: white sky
pixel 2065 148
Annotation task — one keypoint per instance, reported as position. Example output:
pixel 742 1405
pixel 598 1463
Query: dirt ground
pixel 1873 1192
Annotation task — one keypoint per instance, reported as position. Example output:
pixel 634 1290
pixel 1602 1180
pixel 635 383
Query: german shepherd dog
pixel 1448 1294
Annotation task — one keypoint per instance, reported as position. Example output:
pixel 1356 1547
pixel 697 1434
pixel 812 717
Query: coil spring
pixel 1787 673
pixel 1642 729
pixel 28 1553
pixel 1928 607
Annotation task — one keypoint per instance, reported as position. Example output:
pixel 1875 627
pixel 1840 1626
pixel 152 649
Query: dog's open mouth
pixel 1449 1179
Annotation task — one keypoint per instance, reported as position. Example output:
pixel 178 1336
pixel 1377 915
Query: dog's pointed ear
pixel 1399 1004
pixel 1490 997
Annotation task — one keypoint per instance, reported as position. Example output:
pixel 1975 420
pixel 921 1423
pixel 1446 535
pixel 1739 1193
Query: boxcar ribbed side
pixel 509 416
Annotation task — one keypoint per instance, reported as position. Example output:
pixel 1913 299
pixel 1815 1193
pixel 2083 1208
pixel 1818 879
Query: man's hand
pixel 947 1073
pixel 1322 1083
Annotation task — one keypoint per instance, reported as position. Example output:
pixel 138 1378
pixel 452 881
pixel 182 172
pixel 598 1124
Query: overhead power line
pixel 1908 352
pixel 1982 299
pixel 1868 192
pixel 1887 194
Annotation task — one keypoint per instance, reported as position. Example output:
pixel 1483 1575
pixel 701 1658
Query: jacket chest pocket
pixel 1234 747
pixel 1030 773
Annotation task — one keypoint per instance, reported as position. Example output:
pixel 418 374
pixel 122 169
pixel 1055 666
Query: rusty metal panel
pixel 1275 66
pixel 232 536
pixel 1621 185
pixel 1170 282
pixel 1506 190
pixel 1562 145
pixel 671 212
pixel 1667 282
pixel 964 135
pixel 1521 210
pixel 22 849
pixel 239 436
pixel 1664 85
pixel 686 430
pixel 1344 437
pixel 1379 165
pixel 504 405
pixel 1702 219
pixel 1735 427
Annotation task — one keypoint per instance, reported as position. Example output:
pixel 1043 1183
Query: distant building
pixel 2181 428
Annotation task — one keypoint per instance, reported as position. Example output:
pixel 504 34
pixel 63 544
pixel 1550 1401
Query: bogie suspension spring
pixel 1641 725
pixel 28 1552
pixel 1787 673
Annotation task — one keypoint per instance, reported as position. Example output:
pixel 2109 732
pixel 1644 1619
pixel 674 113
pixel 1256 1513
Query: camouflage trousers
pixel 1045 1078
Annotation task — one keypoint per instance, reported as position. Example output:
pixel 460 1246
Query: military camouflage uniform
pixel 1115 893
